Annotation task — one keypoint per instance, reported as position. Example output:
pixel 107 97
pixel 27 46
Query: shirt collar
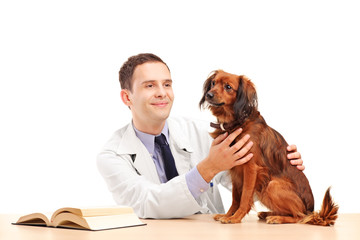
pixel 149 140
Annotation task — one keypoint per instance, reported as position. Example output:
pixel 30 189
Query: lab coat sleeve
pixel 148 199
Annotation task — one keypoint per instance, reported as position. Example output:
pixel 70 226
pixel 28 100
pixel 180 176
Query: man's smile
pixel 160 104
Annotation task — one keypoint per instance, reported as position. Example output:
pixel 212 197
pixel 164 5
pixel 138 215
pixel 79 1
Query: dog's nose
pixel 209 95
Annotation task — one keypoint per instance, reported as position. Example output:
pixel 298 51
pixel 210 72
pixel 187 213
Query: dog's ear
pixel 246 99
pixel 207 87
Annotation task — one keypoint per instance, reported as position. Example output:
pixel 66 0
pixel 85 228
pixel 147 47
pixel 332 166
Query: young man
pixel 132 162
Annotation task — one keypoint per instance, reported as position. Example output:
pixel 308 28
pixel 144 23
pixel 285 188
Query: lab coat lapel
pixel 143 162
pixel 180 148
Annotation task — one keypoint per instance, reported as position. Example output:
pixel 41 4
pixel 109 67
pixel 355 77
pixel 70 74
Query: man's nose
pixel 161 92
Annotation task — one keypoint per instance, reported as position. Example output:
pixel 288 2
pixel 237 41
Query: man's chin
pixel 162 115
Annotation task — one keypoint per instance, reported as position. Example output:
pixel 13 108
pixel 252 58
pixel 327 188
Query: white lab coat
pixel 131 176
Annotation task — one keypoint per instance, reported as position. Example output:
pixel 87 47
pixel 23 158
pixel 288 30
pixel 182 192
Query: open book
pixel 85 218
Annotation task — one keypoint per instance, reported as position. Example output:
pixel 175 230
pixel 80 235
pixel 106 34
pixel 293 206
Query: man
pixel 133 163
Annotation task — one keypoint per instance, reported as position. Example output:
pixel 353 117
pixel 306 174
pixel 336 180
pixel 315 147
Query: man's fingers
pixel 301 167
pixel 232 136
pixel 243 151
pixel 244 159
pixel 239 144
pixel 295 155
pixel 292 148
pixel 220 138
pixel 296 162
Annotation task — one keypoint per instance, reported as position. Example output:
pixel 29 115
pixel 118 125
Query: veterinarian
pixel 179 175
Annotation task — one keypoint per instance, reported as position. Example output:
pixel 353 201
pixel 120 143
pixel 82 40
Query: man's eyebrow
pixel 152 81
pixel 147 81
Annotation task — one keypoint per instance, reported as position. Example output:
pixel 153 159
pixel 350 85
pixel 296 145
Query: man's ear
pixel 125 97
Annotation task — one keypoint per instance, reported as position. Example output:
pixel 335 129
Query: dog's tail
pixel 326 216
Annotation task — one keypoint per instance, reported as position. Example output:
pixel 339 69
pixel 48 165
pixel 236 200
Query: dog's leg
pixel 236 196
pixel 246 202
pixel 282 219
pixel 264 215
pixel 273 218
pixel 280 197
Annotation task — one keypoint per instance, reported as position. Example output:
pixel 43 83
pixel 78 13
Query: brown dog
pixel 281 187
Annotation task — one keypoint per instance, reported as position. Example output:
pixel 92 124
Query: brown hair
pixel 127 70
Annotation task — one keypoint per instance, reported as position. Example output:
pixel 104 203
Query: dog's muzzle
pixel 210 99
pixel 209 95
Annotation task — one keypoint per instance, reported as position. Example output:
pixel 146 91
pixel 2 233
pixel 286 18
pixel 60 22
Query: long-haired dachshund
pixel 281 187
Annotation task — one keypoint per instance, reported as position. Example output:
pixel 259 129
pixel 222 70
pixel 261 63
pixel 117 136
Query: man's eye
pixel 149 85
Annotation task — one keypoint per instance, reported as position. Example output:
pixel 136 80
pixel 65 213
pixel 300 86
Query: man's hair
pixel 127 70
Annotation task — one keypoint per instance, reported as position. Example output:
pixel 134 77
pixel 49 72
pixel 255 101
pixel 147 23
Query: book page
pixel 36 219
pixel 94 211
pixel 113 221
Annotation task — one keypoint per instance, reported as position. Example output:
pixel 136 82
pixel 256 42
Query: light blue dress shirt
pixel 194 180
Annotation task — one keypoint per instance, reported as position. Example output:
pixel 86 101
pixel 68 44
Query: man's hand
pixel 223 157
pixel 295 157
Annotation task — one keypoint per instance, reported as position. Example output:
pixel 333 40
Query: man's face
pixel 152 95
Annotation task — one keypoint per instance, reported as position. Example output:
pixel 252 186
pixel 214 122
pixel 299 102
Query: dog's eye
pixel 212 83
pixel 228 87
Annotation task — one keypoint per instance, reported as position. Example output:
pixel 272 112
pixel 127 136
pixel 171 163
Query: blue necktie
pixel 169 163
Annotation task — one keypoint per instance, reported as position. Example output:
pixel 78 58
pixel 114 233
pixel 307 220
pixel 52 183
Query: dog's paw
pixel 230 220
pixel 273 220
pixel 217 217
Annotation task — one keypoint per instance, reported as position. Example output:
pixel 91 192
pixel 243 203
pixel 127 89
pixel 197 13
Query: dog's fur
pixel 281 187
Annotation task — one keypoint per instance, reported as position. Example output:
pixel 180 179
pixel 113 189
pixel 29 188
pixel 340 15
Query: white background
pixel 59 90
